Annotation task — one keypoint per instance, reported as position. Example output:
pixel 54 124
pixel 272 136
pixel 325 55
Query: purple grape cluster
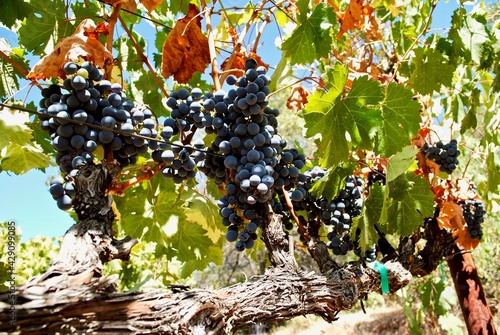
pixel 445 155
pixel 247 154
pixel 336 214
pixel 473 212
pixel 86 113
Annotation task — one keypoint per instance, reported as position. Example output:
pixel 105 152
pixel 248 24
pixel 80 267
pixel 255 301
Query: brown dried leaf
pixel 451 216
pixel 186 49
pixel 354 17
pixel 83 44
pixel 297 99
pixel 239 62
pixel 151 4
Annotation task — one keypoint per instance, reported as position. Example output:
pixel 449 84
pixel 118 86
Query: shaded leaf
pixel 13 10
pixel 407 201
pixel 431 70
pixel 400 120
pixel 186 48
pixel 372 208
pixel 400 162
pixel 330 185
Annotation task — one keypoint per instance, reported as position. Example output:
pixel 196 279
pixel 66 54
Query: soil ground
pixel 381 321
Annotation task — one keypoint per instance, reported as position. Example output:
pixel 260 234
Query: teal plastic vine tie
pixel 384 279
pixel 443 278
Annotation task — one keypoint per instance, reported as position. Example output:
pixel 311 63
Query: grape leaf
pixel 330 185
pixel 13 10
pixel 186 48
pixel 36 30
pixel 343 123
pixel 469 33
pixel 372 208
pixel 21 159
pixel 430 71
pixel 166 220
pixel 151 210
pixel 400 120
pixel 400 162
pixel 148 92
pixel 493 171
pixel 312 38
pixel 204 212
pixel 407 201
pixel 72 48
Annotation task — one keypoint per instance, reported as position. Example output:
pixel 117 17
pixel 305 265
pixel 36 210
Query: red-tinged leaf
pixel 73 48
pixel 451 216
pixel 186 48
pixel 297 99
pixel 102 28
pixel 239 62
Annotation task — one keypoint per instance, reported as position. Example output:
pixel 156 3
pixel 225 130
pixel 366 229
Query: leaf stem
pixel 239 43
pixel 18 67
pixel 211 45
pixel 144 58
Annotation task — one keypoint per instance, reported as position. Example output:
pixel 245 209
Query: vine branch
pixel 211 45
pixel 144 58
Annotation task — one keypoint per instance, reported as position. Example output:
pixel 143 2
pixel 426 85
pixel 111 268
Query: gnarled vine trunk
pixel 72 296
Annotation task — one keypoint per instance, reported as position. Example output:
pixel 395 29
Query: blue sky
pixel 25 198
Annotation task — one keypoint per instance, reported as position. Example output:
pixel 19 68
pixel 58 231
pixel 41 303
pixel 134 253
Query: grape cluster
pixel 473 211
pixel 336 214
pixel 62 192
pixel 445 155
pixel 89 115
pixel 247 155
pixel 376 176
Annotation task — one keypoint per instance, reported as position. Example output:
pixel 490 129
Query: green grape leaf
pixel 13 10
pixel 153 219
pixel 36 30
pixel 343 124
pixel 401 162
pixel 130 59
pixel 282 70
pixel 407 201
pixel 19 155
pixel 8 81
pixel 237 18
pixel 13 129
pixel 330 185
pixel 469 33
pixel 41 137
pixel 372 208
pixel 204 212
pixel 431 70
pixel 335 78
pixel 401 120
pixel 21 159
pixel 149 93
pixel 312 39
pixel 493 178
pixel 214 254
